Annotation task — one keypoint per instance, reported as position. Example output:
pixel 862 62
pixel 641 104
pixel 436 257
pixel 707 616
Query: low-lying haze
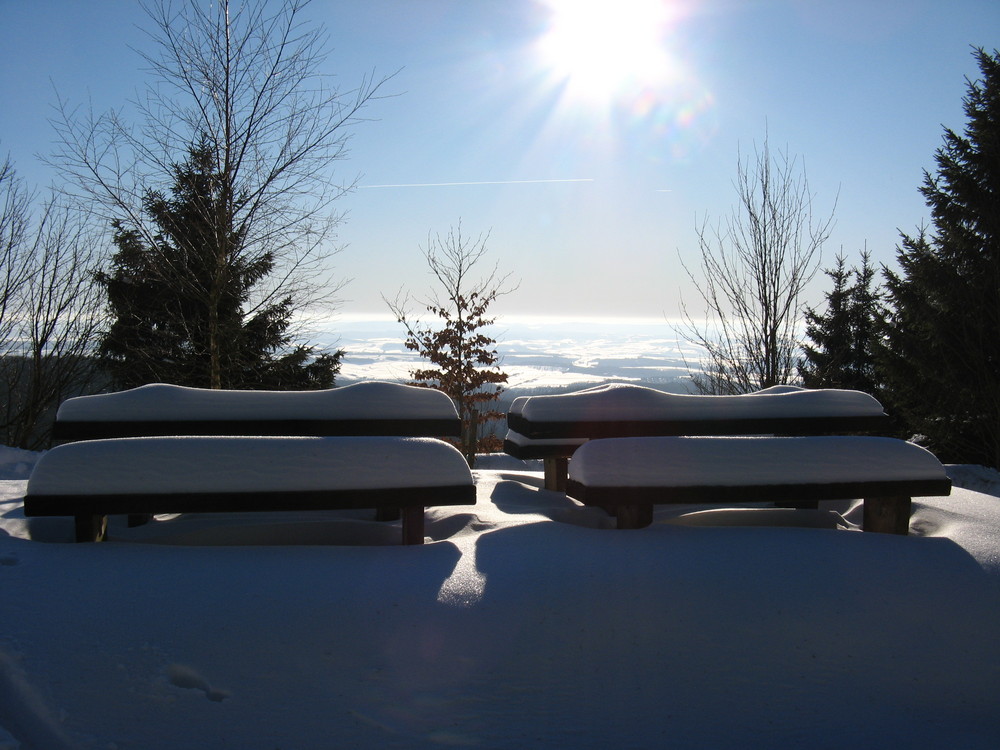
pixel 538 353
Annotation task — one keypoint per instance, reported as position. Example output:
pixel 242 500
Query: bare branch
pixel 49 310
pixel 752 275
pixel 243 80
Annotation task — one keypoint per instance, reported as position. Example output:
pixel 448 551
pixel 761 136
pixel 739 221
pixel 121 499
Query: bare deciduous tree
pixel 753 273
pixel 464 357
pixel 49 310
pixel 243 79
pixel 15 214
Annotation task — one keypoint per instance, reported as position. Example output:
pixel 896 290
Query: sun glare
pixel 597 48
pixel 620 73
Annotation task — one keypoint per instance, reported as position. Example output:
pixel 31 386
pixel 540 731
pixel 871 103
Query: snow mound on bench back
pixel 621 401
pixel 161 401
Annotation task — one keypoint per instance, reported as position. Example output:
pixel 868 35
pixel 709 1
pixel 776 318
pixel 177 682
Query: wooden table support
pixel 887 515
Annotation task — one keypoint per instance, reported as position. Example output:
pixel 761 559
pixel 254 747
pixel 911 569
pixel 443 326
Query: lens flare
pixel 596 47
pixel 616 63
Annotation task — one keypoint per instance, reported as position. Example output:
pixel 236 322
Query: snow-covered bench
pixel 631 475
pixel 371 408
pixel 553 427
pixel 92 479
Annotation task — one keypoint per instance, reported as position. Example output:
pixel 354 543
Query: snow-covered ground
pixel 524 622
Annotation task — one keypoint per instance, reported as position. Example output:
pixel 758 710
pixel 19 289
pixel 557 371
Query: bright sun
pixel 597 48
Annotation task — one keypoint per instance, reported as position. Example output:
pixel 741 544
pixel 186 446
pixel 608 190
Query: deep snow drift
pixel 526 621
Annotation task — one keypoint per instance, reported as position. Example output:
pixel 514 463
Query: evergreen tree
pixel 830 332
pixel 941 357
pixel 179 304
pixel 868 314
pixel 844 336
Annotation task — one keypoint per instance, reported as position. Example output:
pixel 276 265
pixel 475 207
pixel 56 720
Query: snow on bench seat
pixel 92 479
pixel 370 408
pixel 633 474
pixel 552 427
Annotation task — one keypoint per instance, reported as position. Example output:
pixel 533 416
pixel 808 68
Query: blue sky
pixel 592 171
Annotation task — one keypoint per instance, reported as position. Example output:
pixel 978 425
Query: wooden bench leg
pixel 387 513
pixel 90 528
pixel 413 525
pixel 556 469
pixel 887 515
pixel 634 516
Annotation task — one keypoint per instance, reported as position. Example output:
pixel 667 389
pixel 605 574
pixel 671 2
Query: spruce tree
pixel 830 333
pixel 867 314
pixel 179 304
pixel 844 336
pixel 941 357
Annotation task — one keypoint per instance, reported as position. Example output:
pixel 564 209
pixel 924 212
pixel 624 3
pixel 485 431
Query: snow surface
pixel 246 464
pixel 621 401
pixel 728 461
pixel 526 621
pixel 160 401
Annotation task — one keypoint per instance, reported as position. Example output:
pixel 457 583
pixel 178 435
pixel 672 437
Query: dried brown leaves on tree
pixel 463 358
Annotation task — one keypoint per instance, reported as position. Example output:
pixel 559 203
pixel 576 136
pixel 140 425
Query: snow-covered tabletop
pixel 742 461
pixel 159 465
pixel 397 476
pixel 635 474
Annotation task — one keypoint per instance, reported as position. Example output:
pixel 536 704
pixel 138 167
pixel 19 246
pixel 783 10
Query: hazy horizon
pixel 537 352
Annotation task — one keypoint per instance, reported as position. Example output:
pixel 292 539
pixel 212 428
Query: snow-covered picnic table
pixel 631 475
pixel 370 408
pixel 198 450
pixel 553 427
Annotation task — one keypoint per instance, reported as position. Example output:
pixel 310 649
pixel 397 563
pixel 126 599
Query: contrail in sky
pixel 484 182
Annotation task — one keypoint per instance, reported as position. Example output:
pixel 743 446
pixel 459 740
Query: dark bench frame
pixel 594 429
pixel 556 456
pixel 91 511
pixel 887 504
pixel 71 431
